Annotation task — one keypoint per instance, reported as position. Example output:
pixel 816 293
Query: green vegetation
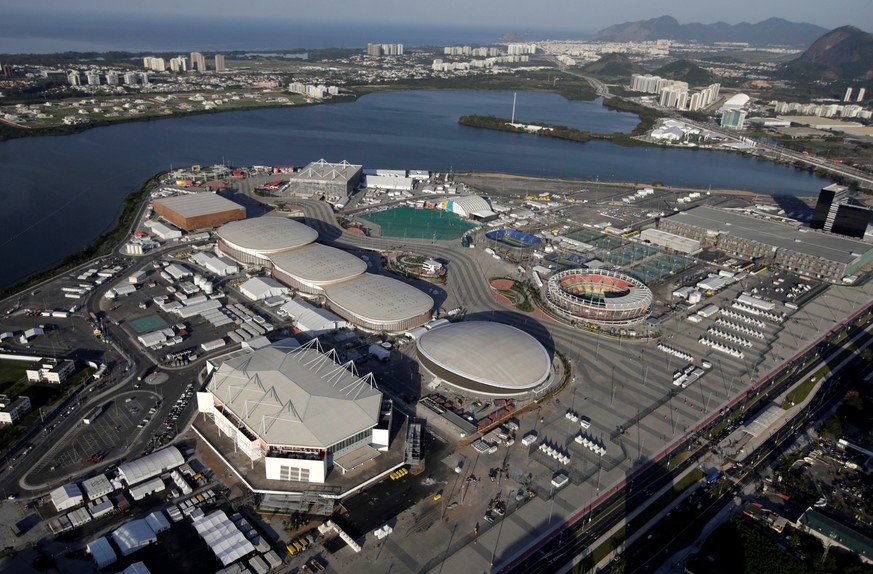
pixel 613 66
pixel 686 71
pixel 10 373
pixel 518 297
pixel 799 393
pixel 648 116
pixel 567 85
pixel 742 546
pixel 503 124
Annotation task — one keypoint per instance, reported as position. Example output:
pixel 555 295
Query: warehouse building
pixel 820 255
pixel 296 408
pixel 322 178
pixel 198 210
pixel 150 466
pixel 671 241
pixel 469 207
pixel 482 358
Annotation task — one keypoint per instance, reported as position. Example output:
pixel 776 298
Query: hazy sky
pixel 583 15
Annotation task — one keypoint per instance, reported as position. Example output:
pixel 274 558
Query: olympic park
pixel 288 249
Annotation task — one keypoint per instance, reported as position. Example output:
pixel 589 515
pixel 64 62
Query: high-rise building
pixel 93 79
pixel 74 79
pixel 374 50
pixel 156 64
pixel 851 220
pixel 219 63
pixel 198 62
pixel 861 94
pixel 829 199
pixel 848 96
pixel 179 64
pixel 8 71
pixel 733 118
pixel 111 79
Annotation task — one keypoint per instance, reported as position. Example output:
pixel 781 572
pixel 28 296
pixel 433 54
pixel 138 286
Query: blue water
pixel 24 30
pixel 59 193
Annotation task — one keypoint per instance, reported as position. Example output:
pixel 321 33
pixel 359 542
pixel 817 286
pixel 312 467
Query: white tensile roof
pixel 258 288
pixel 226 540
pixel 66 496
pixel 267 234
pixel 195 204
pixel 102 552
pixel 319 264
pixel 379 299
pixel 133 535
pixel 301 397
pixel 493 354
pixel 152 465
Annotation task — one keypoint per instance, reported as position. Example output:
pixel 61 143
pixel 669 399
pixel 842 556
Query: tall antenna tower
pixel 514 95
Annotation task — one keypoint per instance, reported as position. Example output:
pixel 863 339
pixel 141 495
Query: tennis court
pixel 147 323
pixel 408 222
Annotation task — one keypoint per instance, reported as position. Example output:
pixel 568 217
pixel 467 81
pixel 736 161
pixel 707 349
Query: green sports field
pixel 408 222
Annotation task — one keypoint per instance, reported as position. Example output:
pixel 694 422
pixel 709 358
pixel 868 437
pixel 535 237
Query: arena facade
pixel 601 297
pixel 296 409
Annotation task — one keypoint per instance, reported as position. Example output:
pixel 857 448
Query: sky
pixel 585 15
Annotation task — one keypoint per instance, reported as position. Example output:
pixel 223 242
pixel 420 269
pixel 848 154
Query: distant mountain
pixel 842 54
pixel 773 31
pixel 686 71
pixel 613 66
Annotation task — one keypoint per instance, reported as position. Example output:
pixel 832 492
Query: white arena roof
pixel 379 299
pixel 154 464
pixel 196 204
pixel 266 234
pixel 319 264
pixel 485 357
pixel 301 397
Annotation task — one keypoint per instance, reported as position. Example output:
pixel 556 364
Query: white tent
pixel 66 496
pixel 157 521
pixel 258 288
pixel 134 535
pixel 102 552
pixel 136 568
pixel 226 540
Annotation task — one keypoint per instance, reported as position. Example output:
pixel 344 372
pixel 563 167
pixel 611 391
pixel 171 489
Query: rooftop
pixel 325 171
pixel 379 299
pixel 301 397
pixel 192 205
pixel 268 234
pixel 790 238
pixel 316 263
pixel 493 354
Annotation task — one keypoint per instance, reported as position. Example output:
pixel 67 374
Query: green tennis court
pixel 147 323
pixel 408 222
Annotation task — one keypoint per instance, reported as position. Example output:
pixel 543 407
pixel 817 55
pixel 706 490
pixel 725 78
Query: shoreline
pixel 107 242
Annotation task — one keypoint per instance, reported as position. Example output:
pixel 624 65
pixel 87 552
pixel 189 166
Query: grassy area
pixel 10 373
pixel 799 393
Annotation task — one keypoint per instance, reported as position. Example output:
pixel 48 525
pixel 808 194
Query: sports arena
pixel 601 297
pixel 289 250
pixel 485 359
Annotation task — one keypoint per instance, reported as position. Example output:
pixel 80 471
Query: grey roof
pixel 195 204
pixel 493 354
pixel 322 170
pixel 151 465
pixel 319 264
pixel 267 234
pixel 838 532
pixel 301 397
pixel 97 486
pixel 379 299
pixel 816 244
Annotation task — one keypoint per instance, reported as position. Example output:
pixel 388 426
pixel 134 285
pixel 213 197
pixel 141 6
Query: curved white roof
pixel 379 299
pixel 266 234
pixel 154 464
pixel 319 264
pixel 737 101
pixel 491 354
pixel 466 205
